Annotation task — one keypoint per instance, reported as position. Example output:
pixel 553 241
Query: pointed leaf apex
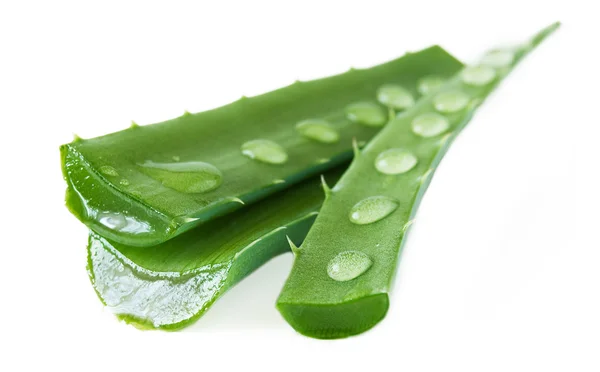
pixel 134 125
pixel 295 250
pixel 187 113
pixel 76 138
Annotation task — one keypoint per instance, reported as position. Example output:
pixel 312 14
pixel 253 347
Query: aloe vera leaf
pixel 342 273
pixel 147 184
pixel 170 285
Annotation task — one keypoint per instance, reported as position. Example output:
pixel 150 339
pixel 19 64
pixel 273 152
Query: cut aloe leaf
pixel 343 270
pixel 147 184
pixel 171 284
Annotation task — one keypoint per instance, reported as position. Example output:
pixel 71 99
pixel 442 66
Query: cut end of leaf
pixel 332 321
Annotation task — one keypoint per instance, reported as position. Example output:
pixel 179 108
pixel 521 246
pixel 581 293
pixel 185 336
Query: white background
pixel 502 268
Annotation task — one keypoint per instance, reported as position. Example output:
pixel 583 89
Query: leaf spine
pixel 236 200
pixel 355 148
pixel 325 186
pixel 295 249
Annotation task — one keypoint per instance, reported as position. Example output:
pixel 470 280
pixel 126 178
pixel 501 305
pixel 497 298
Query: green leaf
pixel 340 282
pixel 147 184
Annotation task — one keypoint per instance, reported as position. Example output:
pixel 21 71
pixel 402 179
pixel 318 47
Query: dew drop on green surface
pixel 498 58
pixel 430 84
pixel 372 209
pixel 124 182
pixel 319 130
pixel 395 96
pixel 451 102
pixel 109 171
pixel 348 265
pixel 176 158
pixel 395 161
pixel 430 124
pixel 366 113
pixel 187 177
pixel 265 151
pixel 478 75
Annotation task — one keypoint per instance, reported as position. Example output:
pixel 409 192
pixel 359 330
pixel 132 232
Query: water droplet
pixel 395 161
pixel 430 124
pixel 478 75
pixel 278 181
pixel 318 130
pixel 395 96
pixel 498 58
pixel 348 265
pixel 265 151
pixel 188 177
pixel 124 182
pixel 366 113
pixel 109 171
pixel 450 102
pixel 372 209
pixel 322 161
pixel 176 158
pixel 430 84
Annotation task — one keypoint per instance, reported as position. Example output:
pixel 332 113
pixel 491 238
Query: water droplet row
pixel 197 177
pixel 351 264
